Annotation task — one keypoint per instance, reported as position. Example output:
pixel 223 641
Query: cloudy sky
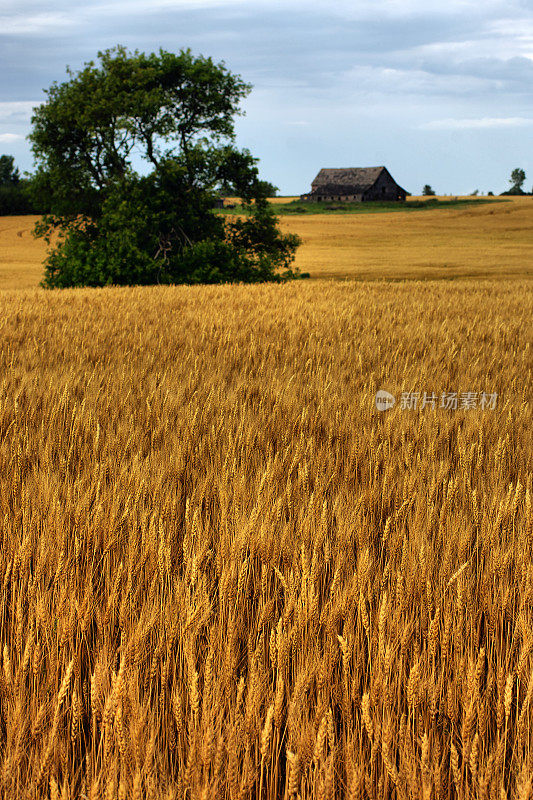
pixel 440 91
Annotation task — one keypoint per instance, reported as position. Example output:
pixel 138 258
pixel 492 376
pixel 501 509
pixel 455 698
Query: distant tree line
pixel 15 192
pixel 25 195
pixel 517 180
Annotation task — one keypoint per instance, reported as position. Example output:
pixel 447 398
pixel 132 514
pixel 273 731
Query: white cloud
pixel 507 26
pixel 17 110
pixel 373 82
pixel 401 9
pixel 476 124
pixel 347 9
pixel 10 137
pixel 147 6
pixel 22 24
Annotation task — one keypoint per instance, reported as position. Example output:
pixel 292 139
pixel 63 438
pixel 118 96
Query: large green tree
pixel 118 222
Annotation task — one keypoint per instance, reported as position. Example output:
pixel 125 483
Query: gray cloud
pixel 358 79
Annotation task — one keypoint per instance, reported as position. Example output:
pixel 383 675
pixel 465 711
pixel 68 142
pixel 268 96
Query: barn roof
pixel 361 178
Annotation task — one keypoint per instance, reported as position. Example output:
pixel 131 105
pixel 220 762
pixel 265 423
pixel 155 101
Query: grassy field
pixel 290 206
pixel 225 574
pixel 494 239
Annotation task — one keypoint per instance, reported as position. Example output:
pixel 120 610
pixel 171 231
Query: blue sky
pixel 440 91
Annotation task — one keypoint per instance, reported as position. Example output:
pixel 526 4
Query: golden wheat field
pixel 493 239
pixel 225 574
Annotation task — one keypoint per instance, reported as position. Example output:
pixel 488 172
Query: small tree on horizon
pixel 517 179
pixel 427 191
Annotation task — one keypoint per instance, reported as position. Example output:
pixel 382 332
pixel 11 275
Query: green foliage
pixel 15 199
pixel 9 174
pixel 370 207
pixel 517 179
pixel 270 189
pixel 116 226
pixel 427 191
pixel 15 196
pixel 513 192
pixel 156 229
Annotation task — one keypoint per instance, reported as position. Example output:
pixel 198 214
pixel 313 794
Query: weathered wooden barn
pixel 355 185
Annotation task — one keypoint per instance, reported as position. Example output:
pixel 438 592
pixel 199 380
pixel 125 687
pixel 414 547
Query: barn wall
pixel 385 189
